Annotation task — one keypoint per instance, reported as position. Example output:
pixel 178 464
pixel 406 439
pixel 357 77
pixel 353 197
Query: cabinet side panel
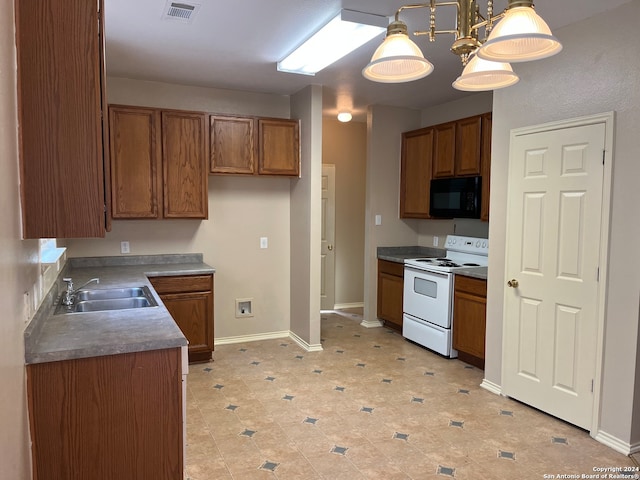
pixel 60 116
pixel 110 417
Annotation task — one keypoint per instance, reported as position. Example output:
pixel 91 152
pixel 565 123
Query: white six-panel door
pixel 328 229
pixel 554 222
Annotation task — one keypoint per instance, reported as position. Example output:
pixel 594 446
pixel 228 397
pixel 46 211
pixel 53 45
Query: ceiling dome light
pixel 522 35
pixel 344 117
pixel 398 59
pixel 480 75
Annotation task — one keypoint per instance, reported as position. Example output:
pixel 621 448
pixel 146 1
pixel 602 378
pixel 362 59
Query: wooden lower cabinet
pixel 469 319
pixel 101 418
pixel 189 300
pixel 390 291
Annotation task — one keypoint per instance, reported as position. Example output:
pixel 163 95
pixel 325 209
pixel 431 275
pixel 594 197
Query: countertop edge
pixel 170 335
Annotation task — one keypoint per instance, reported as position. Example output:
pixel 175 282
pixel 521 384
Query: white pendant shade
pixel 480 75
pixel 397 60
pixel 520 36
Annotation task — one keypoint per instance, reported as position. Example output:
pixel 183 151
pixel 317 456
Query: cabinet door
pixel 279 147
pixel 232 146
pixel 60 67
pixel 192 313
pixel 184 160
pixel 135 157
pixel 415 173
pixel 189 300
pixel 102 418
pixel 468 141
pixel 486 165
pixel 469 319
pixel 444 150
pixel 390 290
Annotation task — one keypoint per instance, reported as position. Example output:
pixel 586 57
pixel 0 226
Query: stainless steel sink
pixel 99 300
pixel 109 293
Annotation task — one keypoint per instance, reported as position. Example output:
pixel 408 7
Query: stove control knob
pixel 478 244
pixel 484 244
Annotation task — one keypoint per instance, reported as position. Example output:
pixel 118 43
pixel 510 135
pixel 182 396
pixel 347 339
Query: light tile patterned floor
pixel 370 406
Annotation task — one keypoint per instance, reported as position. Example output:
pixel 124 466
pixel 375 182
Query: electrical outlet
pixel 124 247
pixel 435 241
pixel 264 242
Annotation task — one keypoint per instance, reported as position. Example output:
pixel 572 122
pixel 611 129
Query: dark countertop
pixel 50 337
pixel 399 254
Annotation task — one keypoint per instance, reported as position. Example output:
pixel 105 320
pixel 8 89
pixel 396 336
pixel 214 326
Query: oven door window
pixel 425 287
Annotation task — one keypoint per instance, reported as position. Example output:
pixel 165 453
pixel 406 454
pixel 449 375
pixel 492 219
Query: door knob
pixel 329 247
pixel 513 283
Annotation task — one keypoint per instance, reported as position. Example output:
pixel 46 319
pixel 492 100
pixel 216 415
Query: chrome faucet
pixel 69 293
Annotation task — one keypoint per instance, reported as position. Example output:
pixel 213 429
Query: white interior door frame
pixel 606 118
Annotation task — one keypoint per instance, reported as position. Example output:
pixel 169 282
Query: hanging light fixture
pixel 520 36
pixel 480 75
pixel 524 36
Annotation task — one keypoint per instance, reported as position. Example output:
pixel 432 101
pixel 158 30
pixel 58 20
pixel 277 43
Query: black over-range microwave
pixel 455 197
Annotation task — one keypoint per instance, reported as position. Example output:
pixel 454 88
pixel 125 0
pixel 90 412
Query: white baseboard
pixel 342 306
pixel 371 323
pixel 304 345
pixel 250 338
pixel 491 387
pixel 617 444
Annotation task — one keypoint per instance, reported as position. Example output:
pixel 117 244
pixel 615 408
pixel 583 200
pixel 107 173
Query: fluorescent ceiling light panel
pixel 343 34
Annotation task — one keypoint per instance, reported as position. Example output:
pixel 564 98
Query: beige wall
pixel 306 193
pixel 345 146
pixel 241 210
pixel 18 271
pixel 591 75
pixel 384 128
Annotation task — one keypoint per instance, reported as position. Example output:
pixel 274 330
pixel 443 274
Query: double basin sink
pixel 97 300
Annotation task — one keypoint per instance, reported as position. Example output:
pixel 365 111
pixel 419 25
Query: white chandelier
pixel 519 35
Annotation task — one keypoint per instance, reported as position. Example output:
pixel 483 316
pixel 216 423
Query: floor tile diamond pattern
pixel 433 421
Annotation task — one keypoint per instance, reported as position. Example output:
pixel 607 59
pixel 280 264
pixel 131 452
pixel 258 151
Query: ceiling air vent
pixel 180 11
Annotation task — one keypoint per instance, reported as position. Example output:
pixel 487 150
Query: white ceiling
pixel 235 44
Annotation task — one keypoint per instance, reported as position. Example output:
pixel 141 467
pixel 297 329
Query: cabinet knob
pixel 513 283
pixel 329 247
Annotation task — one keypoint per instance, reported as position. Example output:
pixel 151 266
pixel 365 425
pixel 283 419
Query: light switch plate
pixel 264 242
pixel 378 219
pixel 124 247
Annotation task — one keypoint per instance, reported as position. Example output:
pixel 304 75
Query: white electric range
pixel 428 292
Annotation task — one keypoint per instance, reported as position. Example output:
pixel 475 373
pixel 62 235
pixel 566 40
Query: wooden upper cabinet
pixel 232 146
pixel 278 147
pixel 457 148
pixel 444 150
pixel 415 172
pixel 184 162
pixel 60 100
pixel 135 151
pixel 468 142
pixel 486 165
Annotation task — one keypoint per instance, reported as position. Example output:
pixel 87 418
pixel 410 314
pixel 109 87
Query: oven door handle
pixel 426 272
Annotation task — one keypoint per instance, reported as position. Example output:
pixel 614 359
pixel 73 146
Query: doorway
pixel 557 223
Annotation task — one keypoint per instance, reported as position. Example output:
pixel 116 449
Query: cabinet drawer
pixel 474 286
pixel 391 268
pixel 179 284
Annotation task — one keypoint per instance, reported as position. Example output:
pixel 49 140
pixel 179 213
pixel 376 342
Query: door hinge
pixel 598 274
pixel 592 385
pixel 604 152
